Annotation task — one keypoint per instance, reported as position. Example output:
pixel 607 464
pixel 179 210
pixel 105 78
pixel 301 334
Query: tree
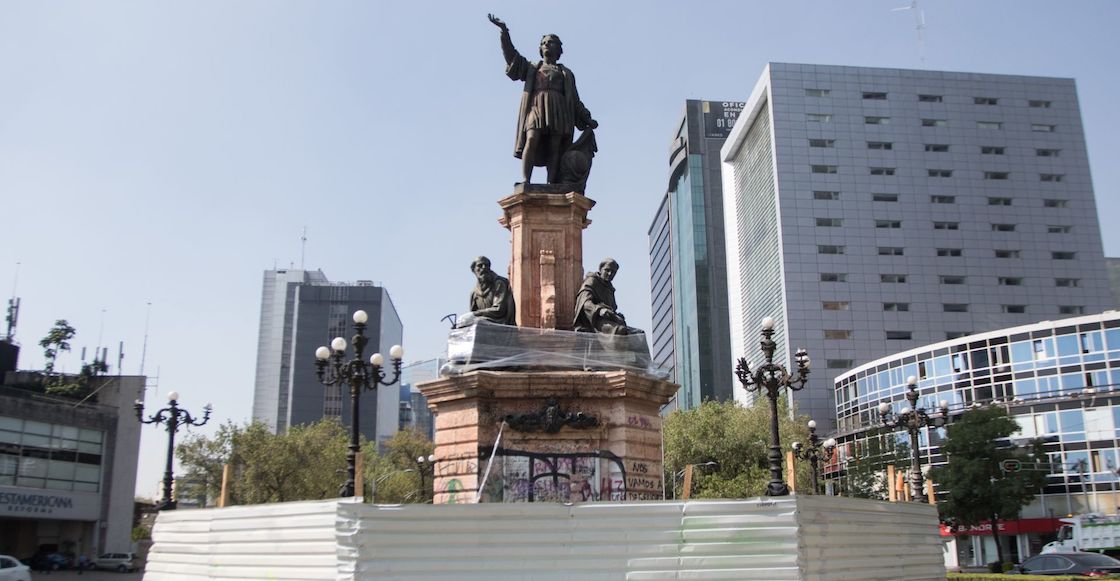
pixel 395 476
pixel 56 341
pixel 203 459
pixel 736 439
pixel 865 469
pixel 975 484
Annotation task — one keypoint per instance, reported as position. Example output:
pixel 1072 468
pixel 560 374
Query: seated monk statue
pixel 596 309
pixel 491 299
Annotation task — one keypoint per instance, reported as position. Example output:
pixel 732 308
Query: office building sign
pixel 720 116
pixel 50 504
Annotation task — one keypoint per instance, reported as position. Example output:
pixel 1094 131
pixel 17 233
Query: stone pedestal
pixel 568 436
pixel 546 225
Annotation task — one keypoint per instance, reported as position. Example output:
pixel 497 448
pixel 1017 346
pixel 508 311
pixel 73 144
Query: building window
pixel 892 278
pixel 1067 282
pixel 882 171
pixel 1063 255
pixel 955 307
pixel 1007 254
pixel 946 225
pixel 955 334
pixel 830 249
pixel 1039 104
pixel 943 199
pixel 835 305
pixel 822 143
pixel 896 307
pixel 950 252
pixel 937 147
pixel 898 335
pixel 1058 229
pixel 874 96
pixel 880 145
pixel 996 175
pixel 1055 203
pixel 985 100
pixel 837 334
pixel 829 222
pixel 823 168
pixel 818 117
pixel 940 173
pixel 995 201
pixel 951 279
pixel 888 223
pixel 1010 281
pixel 930 98
pixel 890 251
pixel 834 277
pixel 1043 128
pixel 1047 152
pixel 1071 310
pixel 1013 308
pixel 884 197
pixel 825 195
pixel 934 123
pixel 872 120
pixel 989 125
pixel 817 92
pixel 1050 177
pixel 838 363
pixel 1003 227
pixel 991 150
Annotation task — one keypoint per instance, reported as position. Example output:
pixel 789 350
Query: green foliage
pixel 202 459
pixel 56 341
pixel 396 476
pixel 866 467
pixel 737 439
pixel 141 533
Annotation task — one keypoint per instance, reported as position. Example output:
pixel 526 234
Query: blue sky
pixel 169 152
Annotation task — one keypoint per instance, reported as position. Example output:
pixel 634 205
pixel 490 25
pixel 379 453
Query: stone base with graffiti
pixel 559 436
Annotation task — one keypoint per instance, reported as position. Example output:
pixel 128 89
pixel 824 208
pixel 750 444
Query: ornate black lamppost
pixel 425 465
pixel 333 369
pixel 913 419
pixel 773 377
pixel 173 416
pixel 814 453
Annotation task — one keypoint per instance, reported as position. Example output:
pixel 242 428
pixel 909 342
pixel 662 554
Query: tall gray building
pixel 301 310
pixel 688 272
pixel 870 211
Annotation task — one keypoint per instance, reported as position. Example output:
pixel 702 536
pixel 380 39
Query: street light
pixel 173 416
pixel 814 453
pixel 686 472
pixel 773 377
pixel 425 465
pixel 913 419
pixel 333 369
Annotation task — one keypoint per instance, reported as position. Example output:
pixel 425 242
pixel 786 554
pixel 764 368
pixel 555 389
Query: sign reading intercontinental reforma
pixel 720 116
pixel 50 504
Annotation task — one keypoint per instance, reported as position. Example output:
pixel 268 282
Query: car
pixel 1072 563
pixel 123 562
pixel 47 562
pixel 11 569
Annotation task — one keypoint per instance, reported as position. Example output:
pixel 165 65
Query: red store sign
pixel 1006 527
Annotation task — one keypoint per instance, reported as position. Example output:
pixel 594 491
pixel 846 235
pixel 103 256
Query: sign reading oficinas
pixel 720 116
pixel 34 503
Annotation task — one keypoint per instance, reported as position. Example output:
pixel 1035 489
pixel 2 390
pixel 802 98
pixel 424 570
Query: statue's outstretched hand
pixel 498 22
pixel 592 124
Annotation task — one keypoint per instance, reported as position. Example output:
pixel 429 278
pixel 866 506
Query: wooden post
pixel 359 481
pixel 902 486
pixel 791 472
pixel 223 499
pixel 931 496
pixel 686 488
pixel 891 495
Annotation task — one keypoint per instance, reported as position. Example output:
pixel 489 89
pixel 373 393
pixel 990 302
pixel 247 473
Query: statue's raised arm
pixel 551 109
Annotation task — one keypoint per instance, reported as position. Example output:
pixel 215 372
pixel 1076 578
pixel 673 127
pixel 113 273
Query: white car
pixel 12 570
pixel 122 562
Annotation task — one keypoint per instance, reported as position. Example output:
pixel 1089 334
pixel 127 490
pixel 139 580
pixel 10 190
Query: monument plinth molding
pixel 618 458
pixel 546 225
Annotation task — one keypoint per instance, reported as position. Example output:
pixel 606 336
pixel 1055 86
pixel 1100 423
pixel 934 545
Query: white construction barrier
pixel 804 538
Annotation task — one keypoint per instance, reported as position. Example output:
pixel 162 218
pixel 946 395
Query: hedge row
pixel 995 577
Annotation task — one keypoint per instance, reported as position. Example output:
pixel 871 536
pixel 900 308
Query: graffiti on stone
pixel 523 476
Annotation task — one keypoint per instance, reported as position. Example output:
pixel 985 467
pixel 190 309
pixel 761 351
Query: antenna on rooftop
pixel 144 350
pixel 302 247
pixel 13 308
pixel 919 26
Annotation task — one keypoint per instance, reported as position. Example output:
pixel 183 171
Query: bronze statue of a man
pixel 491 299
pixel 596 309
pixel 550 110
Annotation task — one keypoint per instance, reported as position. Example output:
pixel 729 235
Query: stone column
pixel 543 221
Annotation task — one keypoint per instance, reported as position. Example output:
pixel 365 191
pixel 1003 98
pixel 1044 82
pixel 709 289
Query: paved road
pixel 85 576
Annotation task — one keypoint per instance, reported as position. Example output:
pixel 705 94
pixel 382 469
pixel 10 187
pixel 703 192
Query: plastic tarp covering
pixel 803 538
pixel 486 345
